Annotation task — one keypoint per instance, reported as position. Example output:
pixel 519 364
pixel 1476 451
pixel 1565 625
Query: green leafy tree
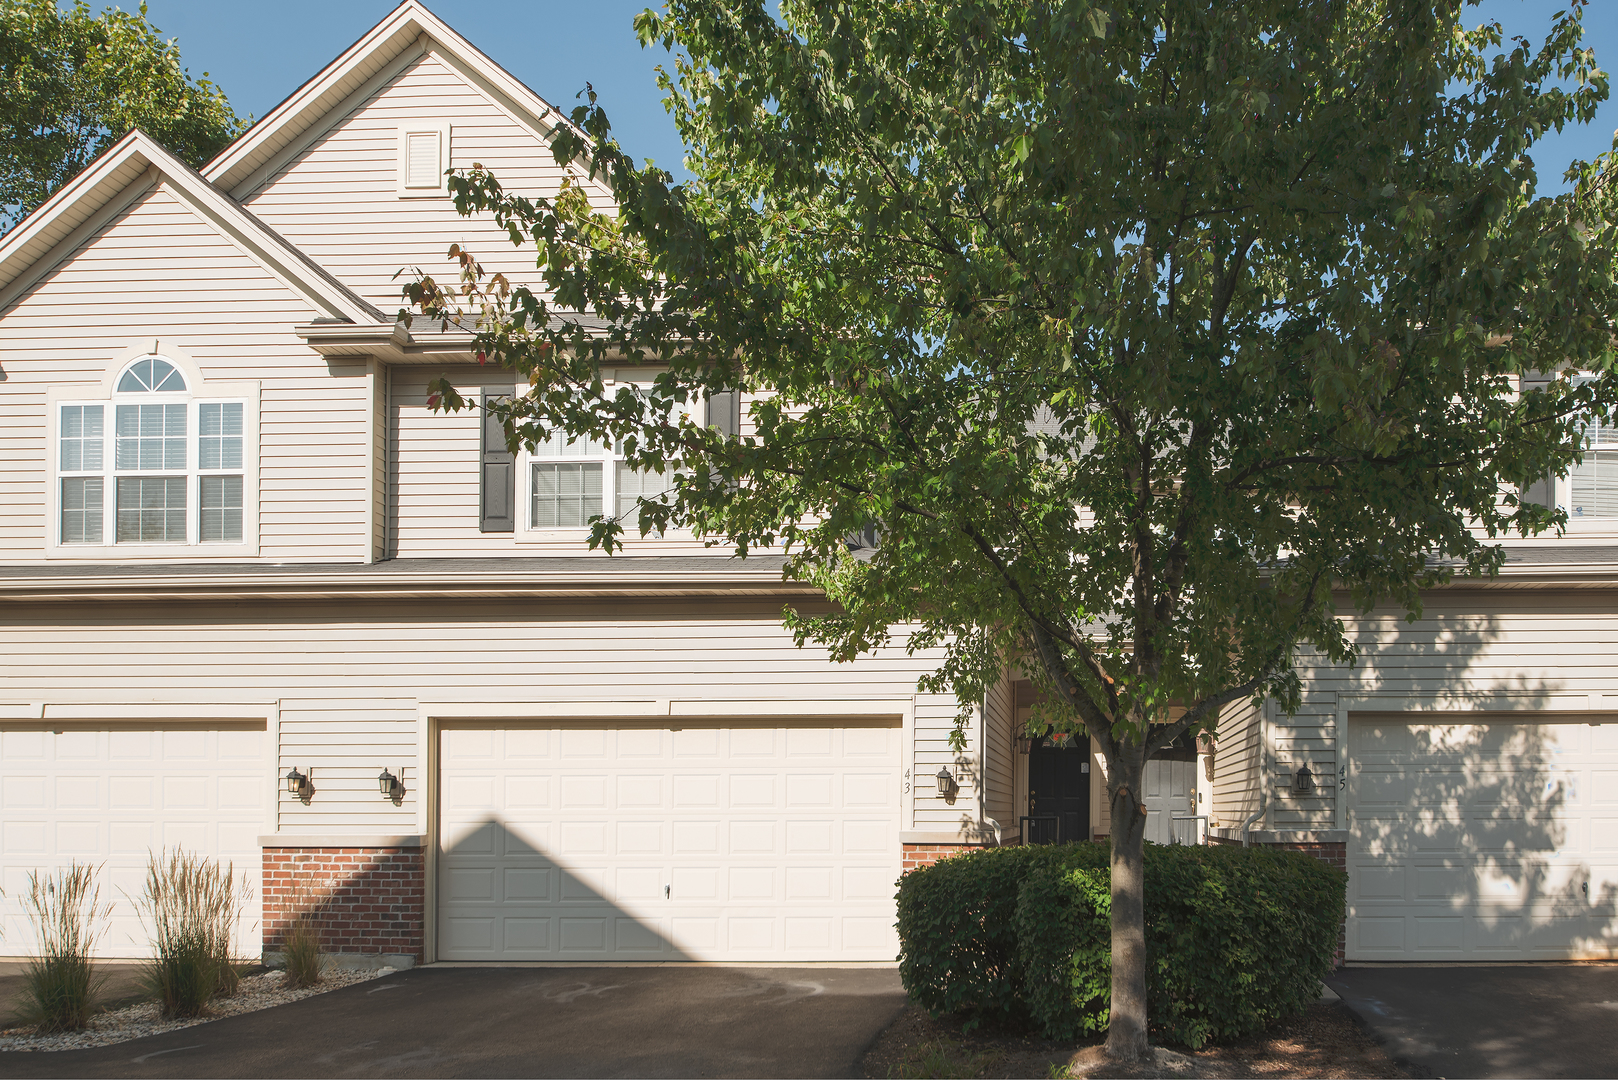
pixel 1137 330
pixel 71 85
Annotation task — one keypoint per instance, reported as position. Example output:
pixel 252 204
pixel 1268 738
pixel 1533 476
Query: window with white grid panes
pixel 151 466
pixel 569 483
pixel 1590 491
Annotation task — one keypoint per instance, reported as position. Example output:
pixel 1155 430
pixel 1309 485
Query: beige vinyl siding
pixel 156 271
pixel 1238 764
pixel 349 677
pixel 338 199
pixel 999 755
pixel 935 719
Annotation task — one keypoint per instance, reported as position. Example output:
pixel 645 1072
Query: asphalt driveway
pixel 436 1021
pixel 1491 1020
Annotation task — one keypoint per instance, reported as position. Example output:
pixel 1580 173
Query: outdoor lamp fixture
pixel 947 786
pixel 391 786
pixel 1303 781
pixel 297 783
pixel 1025 743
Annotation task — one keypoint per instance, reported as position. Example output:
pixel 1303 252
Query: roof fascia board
pixel 60 216
pixel 330 117
pixel 269 249
pixel 288 120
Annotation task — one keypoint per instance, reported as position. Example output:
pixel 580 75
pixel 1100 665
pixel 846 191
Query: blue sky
pixel 259 53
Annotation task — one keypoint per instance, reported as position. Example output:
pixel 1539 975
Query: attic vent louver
pixel 423 159
pixel 423 155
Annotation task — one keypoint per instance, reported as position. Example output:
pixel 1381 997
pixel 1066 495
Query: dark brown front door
pixel 1059 791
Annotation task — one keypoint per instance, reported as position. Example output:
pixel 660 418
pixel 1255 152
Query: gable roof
pixel 407 31
pixel 127 169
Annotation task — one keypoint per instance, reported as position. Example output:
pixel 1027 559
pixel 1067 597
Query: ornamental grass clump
pixel 301 946
pixel 192 906
pixel 61 988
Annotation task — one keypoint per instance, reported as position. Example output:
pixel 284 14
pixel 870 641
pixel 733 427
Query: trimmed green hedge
pixel 958 933
pixel 1235 937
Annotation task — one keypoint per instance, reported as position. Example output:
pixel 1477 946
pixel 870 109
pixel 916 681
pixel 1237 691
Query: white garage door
pixel 641 843
pixel 110 795
pixel 1489 841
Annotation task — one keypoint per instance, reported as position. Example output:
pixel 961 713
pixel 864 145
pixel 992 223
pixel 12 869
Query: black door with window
pixel 1059 791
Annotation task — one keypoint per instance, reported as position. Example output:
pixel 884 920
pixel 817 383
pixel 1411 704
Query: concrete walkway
pixel 436 1021
pixel 1489 1020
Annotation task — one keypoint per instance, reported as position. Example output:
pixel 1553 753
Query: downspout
pixel 1247 826
pixel 983 769
pixel 1263 775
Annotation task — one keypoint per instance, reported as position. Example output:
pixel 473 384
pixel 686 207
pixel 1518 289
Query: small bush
pixel 1235 938
pixel 957 931
pixel 61 987
pixel 192 906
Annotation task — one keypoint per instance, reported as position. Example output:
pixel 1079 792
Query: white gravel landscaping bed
pixel 138 1021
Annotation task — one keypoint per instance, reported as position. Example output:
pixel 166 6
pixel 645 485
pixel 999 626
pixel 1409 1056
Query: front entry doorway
pixel 1059 791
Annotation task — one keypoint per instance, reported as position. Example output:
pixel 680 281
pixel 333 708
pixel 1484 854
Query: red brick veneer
pixel 919 855
pixel 371 900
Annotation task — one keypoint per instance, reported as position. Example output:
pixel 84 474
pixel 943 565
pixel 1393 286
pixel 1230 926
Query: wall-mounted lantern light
pixel 298 784
pixel 1303 781
pixel 1025 743
pixel 391 786
pixel 947 785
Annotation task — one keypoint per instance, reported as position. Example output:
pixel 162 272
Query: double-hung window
pixel 571 482
pixel 153 465
pixel 1590 492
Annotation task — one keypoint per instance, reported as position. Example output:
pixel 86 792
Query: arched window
pixel 175 471
pixel 153 374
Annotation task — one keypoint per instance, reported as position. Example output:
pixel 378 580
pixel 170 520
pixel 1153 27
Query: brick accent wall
pixel 919 855
pixel 369 900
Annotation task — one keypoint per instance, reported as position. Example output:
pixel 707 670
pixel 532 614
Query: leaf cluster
pixel 72 84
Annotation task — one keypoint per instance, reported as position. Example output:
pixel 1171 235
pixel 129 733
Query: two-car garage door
pixel 747 841
pixel 1482 841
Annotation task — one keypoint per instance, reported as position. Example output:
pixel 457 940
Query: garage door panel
pixel 699 792
pixel 696 743
pixel 809 743
pixel 695 882
pixel 583 793
pixel 1495 852
pixel 713 843
pixel 809 837
pixel 696 837
pixel 1604 834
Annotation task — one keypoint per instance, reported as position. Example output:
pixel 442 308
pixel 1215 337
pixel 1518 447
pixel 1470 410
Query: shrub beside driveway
pixel 1236 938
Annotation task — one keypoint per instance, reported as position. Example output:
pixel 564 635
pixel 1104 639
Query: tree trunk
pixel 1126 1029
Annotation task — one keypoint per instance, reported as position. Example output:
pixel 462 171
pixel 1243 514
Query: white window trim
pixel 437 189
pixel 527 533
pixel 199 391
